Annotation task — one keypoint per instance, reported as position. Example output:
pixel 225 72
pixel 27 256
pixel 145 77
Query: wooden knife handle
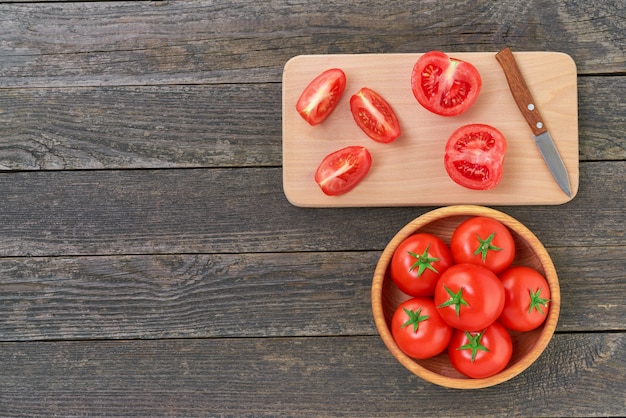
pixel 520 91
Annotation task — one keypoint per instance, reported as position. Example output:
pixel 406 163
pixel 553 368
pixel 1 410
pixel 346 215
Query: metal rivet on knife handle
pixel 520 91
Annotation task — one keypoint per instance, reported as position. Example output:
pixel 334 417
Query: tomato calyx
pixel 423 262
pixel 485 246
pixel 473 344
pixel 456 299
pixel 536 301
pixel 414 318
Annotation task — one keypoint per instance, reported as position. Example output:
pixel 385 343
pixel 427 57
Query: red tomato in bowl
pixel 483 241
pixel 321 96
pixel 481 354
pixel 418 329
pixel 469 297
pixel 474 156
pixel 418 262
pixel 340 171
pixel 444 85
pixel 526 298
pixel 374 116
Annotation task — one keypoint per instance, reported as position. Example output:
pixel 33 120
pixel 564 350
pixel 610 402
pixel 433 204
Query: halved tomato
pixel 321 96
pixel 374 116
pixel 341 170
pixel 444 85
pixel 474 155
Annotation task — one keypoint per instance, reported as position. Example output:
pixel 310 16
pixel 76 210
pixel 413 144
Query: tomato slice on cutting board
pixel 444 85
pixel 374 116
pixel 474 155
pixel 340 171
pixel 321 96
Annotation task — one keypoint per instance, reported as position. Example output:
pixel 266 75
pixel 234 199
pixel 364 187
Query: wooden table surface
pixel 150 263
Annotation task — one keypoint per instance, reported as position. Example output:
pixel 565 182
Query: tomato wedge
pixel 374 116
pixel 340 171
pixel 474 155
pixel 321 96
pixel 444 85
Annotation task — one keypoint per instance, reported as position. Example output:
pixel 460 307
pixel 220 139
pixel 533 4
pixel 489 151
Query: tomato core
pixel 474 156
pixel 444 85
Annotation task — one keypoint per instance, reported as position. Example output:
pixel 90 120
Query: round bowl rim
pixel 465 210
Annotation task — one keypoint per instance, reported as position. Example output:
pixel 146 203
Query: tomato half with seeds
pixel 444 85
pixel 469 297
pixel 374 116
pixel 340 171
pixel 483 241
pixel 418 329
pixel 526 298
pixel 321 96
pixel 481 354
pixel 418 262
pixel 474 156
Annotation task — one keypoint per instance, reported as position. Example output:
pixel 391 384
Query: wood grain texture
pixel 351 376
pixel 70 128
pixel 151 265
pixel 248 295
pixel 410 170
pixel 193 41
pixel 140 127
pixel 598 139
pixel 243 210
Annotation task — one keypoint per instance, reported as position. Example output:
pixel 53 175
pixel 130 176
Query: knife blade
pixel 528 107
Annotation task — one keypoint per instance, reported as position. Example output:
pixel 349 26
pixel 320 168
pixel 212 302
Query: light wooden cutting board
pixel 410 170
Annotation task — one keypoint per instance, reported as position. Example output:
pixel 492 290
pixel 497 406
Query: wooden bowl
pixel 527 346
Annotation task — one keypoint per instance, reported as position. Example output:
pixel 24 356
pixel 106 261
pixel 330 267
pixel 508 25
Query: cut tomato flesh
pixel 474 156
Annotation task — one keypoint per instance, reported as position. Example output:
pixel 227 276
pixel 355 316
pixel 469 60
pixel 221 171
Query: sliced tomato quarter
pixel 444 85
pixel 374 116
pixel 321 96
pixel 474 156
pixel 340 171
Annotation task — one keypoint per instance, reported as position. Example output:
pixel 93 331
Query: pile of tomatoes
pixel 465 296
pixel 443 85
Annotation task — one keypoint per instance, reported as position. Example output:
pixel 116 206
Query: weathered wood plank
pixel 248 295
pixel 244 210
pixel 192 41
pixel 207 125
pixel 601 129
pixel 352 376
pixel 140 127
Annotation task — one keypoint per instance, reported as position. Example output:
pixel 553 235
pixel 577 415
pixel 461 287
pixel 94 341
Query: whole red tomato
pixel 474 155
pixel 481 354
pixel 485 242
pixel 418 329
pixel 469 297
pixel 526 298
pixel 418 262
pixel 321 96
pixel 374 116
pixel 444 85
pixel 340 171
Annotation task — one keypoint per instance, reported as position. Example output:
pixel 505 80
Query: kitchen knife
pixel 528 107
